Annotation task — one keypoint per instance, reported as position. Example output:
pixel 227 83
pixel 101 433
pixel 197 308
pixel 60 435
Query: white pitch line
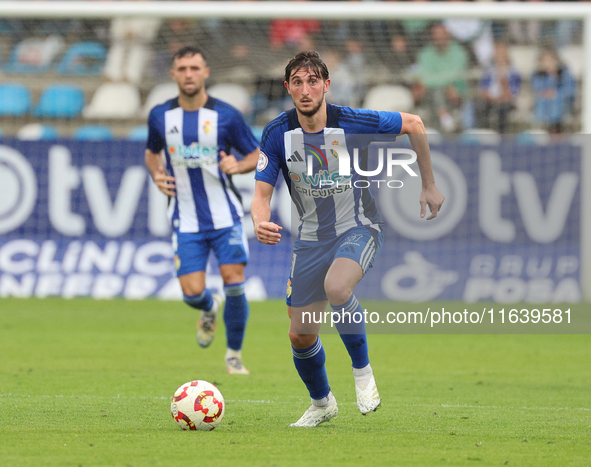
pixel 468 406
pixel 86 396
pixel 267 401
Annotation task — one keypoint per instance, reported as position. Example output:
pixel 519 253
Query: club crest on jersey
pixel 262 162
pixel 207 127
pixel 334 153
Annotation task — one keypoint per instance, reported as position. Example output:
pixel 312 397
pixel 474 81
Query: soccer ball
pixel 197 405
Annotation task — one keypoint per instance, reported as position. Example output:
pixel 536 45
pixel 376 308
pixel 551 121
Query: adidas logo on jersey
pixel 295 157
pixel 173 131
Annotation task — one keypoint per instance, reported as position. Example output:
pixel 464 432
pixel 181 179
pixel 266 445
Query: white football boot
pixel 316 415
pixel 366 390
pixel 234 364
pixel 208 322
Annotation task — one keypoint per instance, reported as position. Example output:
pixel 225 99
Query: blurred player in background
pixel 339 232
pixel 189 141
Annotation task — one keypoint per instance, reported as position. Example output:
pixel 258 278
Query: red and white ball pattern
pixel 197 405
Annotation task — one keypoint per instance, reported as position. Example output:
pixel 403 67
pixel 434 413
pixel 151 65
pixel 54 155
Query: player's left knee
pixel 337 293
pixel 233 276
pixel 192 288
pixel 302 341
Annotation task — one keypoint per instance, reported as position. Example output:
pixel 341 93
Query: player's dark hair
pixel 309 60
pixel 189 51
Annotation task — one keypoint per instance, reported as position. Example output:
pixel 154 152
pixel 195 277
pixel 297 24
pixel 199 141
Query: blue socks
pixel 310 365
pixel 310 362
pixel 352 331
pixel 235 314
pixel 201 302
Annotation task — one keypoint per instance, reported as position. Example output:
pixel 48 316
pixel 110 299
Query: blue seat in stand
pixel 93 133
pixel 60 101
pixel 83 59
pixel 15 100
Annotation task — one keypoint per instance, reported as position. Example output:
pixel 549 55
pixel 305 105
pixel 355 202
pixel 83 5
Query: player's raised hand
pixel 229 164
pixel 432 197
pixel 165 183
pixel 268 233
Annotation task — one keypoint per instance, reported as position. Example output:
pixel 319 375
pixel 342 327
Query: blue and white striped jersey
pixel 205 198
pixel 328 204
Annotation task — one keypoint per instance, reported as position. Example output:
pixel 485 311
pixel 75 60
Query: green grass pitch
pixel 88 383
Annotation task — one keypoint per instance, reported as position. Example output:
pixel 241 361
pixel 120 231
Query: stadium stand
pixel 83 59
pixel 524 58
pixel 233 94
pixel 389 98
pixel 257 131
pixel 533 138
pixel 60 101
pixel 15 99
pixel 477 136
pixel 37 132
pixel 93 133
pixel 114 101
pixel 138 133
pixel 130 48
pixel 158 95
pixel 573 58
pixel 122 66
pixel 34 55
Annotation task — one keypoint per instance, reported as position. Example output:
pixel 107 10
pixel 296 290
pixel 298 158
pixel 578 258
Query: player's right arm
pixel 154 156
pixel 155 165
pixel 267 232
pixel 266 174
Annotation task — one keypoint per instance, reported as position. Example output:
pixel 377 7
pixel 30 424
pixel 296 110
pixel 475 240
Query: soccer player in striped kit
pixel 190 138
pixel 339 232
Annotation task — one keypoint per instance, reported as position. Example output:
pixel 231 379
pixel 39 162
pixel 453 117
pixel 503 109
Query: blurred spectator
pixel 400 59
pixel 343 84
pixel 525 31
pixel 242 68
pixel 35 54
pixel 546 33
pixel 554 89
pixel 498 91
pixel 475 34
pixel 441 84
pixel 130 48
pixel 355 61
pixel 172 36
pixel 292 32
pixel 416 32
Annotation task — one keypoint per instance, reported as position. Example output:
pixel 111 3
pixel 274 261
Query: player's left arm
pixel 243 140
pixel 412 125
pixel 231 166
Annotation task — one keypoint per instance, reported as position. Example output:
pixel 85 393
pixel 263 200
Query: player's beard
pixel 196 91
pixel 312 112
